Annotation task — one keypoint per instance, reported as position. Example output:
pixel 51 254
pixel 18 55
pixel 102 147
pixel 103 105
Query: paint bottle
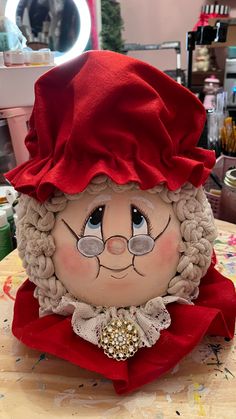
pixel 1 59
pixel 5 236
pixel 10 218
pixel 14 58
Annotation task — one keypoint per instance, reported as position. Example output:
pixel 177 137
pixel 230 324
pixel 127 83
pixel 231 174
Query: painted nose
pixel 116 245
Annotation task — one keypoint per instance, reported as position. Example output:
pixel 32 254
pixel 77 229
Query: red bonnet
pixel 107 113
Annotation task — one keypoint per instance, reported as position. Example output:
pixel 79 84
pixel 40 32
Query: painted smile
pixel 116 270
pixel 120 270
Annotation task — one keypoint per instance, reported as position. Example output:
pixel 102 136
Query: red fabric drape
pixel 213 313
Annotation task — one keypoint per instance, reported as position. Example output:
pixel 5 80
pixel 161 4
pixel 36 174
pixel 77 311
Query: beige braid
pixel 36 244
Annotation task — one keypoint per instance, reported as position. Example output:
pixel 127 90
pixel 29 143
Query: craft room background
pixel 34 37
pixel 194 42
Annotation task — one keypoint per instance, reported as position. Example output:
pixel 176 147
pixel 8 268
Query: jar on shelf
pixel 228 197
pixel 211 88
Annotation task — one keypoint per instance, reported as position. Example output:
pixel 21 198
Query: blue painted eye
pixel 95 218
pixel 139 223
pixel 93 226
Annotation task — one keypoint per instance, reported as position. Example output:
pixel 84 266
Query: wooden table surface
pixel 38 385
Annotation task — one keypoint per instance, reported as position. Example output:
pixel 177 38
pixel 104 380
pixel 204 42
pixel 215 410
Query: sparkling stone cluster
pixel 119 339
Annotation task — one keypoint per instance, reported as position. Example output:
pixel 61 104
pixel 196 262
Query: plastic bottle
pixel 5 236
pixel 10 218
pixel 1 59
pixel 14 58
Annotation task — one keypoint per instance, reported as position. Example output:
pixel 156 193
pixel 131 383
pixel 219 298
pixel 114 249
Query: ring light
pixel 84 34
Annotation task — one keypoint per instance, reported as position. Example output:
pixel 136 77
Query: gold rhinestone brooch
pixel 119 339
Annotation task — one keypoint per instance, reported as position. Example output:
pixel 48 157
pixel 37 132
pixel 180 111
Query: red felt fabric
pixel 107 113
pixel 213 313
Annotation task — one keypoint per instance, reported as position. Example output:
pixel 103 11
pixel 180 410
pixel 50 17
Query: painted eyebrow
pixel 144 200
pixel 98 200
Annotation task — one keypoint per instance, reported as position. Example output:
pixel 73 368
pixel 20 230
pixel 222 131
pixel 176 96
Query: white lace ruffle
pixel 88 321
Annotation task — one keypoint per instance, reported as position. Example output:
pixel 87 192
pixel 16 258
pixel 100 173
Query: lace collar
pixel 119 331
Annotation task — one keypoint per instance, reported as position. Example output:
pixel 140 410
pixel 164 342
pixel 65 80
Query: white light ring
pixel 84 33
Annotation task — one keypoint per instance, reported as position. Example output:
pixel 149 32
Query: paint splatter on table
pixel 225 247
pixel 42 386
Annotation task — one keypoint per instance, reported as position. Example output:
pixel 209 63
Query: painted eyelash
pixel 143 212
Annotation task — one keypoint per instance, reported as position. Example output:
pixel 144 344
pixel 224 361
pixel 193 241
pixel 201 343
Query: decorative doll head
pixel 116 245
pixel 113 221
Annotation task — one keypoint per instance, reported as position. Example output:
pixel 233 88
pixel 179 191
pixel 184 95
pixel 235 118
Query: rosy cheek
pixel 163 257
pixel 167 246
pixel 69 260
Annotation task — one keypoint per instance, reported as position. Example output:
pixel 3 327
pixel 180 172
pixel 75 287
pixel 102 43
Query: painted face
pixel 116 249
